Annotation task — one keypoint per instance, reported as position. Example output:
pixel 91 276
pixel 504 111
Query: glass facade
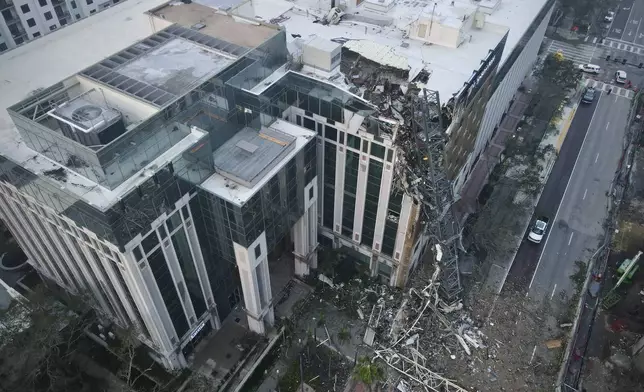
pixel 164 281
pixel 188 270
pixel 328 193
pixel 350 187
pixel 372 197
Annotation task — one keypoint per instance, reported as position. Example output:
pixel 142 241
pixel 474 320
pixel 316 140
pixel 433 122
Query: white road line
pixel 607 124
pixel 586 39
pixel 570 240
pixel 595 40
pixel 597 157
pixel 553 291
pixel 585 192
pixel 627 20
pixel 545 245
pixel 534 350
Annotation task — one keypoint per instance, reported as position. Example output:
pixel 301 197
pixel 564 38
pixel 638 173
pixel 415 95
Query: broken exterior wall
pixel 464 134
pixel 412 232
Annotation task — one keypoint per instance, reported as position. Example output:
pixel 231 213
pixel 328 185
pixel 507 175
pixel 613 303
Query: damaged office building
pixel 172 179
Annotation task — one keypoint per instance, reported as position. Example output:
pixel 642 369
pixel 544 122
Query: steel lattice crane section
pixel 435 190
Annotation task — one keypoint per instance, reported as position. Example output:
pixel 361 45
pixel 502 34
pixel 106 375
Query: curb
pixel 565 128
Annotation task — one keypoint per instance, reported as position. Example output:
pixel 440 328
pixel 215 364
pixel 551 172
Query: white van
pixel 590 68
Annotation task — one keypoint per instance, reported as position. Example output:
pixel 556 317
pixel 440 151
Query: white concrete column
pixel 252 263
pixel 340 162
pixel 361 192
pixel 305 232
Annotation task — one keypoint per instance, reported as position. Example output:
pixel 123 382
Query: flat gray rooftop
pixel 175 66
pixel 250 154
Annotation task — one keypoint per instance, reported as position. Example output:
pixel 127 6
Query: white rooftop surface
pixel 238 194
pixel 449 67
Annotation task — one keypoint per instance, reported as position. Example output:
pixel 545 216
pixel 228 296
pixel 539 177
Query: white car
pixel 590 68
pixel 620 77
pixel 538 230
pixel 609 16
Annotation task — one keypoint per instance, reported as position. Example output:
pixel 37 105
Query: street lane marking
pixel 597 157
pixel 629 18
pixel 595 40
pixel 607 124
pixel 586 191
pixel 570 240
pixel 534 350
pixel 545 245
pixel 553 291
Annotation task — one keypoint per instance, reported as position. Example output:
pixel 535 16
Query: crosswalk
pixel 580 54
pixel 614 44
pixel 604 87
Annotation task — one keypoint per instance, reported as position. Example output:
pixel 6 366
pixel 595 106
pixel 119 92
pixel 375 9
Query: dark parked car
pixel 589 95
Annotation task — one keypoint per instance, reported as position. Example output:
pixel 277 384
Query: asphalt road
pixel 621 20
pixel 627 25
pixel 527 257
pixel 577 226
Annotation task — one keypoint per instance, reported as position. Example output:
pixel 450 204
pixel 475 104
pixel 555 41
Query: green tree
pixel 369 373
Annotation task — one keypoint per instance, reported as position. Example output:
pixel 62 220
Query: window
pixel 341 141
pixel 150 242
pixel 24 8
pixel 258 251
pixel 390 155
pixel 53 27
pixel 48 15
pixel 90 2
pixel 73 3
pixel 31 22
pixel 365 146
pixel 331 133
pixel 36 34
pixel 3 47
pixel 137 253
pixel 92 11
pixel 42 2
pixel 298 120
pixel 78 16
pixel 310 193
pixel 377 150
pixel 353 141
pixel 310 124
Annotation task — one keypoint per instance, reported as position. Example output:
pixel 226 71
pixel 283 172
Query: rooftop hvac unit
pixel 87 122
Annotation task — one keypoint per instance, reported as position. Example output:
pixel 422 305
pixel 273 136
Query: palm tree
pixel 368 372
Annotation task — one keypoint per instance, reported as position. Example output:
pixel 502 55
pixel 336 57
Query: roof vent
pixel 246 146
pixel 198 26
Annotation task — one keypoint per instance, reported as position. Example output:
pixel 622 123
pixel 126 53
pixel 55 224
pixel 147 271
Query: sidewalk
pixel 501 267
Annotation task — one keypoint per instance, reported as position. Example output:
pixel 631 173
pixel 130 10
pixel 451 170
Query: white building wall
pixel 340 162
pixel 363 168
pixel 252 262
